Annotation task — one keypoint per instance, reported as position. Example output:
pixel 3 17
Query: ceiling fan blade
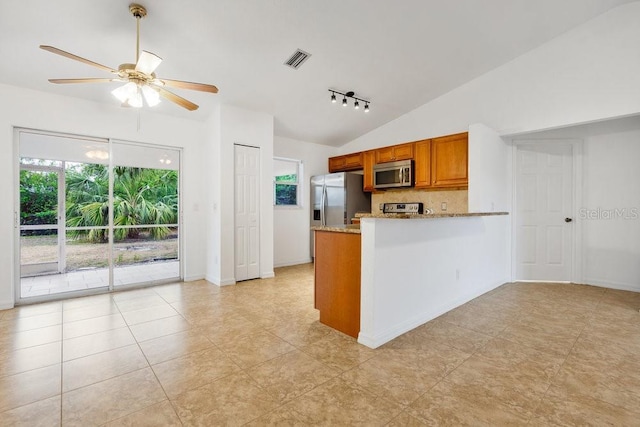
pixel 148 62
pixel 190 85
pixel 177 99
pixel 76 58
pixel 87 80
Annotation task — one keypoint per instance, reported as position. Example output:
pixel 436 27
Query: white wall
pixel 37 110
pixel 415 270
pixel 611 194
pixel 291 235
pixel 237 126
pixel 587 74
pixel 489 179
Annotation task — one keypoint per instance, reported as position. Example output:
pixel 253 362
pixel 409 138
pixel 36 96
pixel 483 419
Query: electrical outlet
pixel 443 206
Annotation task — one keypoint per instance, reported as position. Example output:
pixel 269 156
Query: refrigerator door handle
pixel 323 201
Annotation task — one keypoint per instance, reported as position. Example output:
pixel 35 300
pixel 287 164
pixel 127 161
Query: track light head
pixel 349 94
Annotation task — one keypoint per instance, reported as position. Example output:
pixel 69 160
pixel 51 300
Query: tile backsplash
pixel 456 200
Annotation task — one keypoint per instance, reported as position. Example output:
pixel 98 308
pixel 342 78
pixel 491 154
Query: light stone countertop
pixel 355 228
pixel 429 216
pixel 351 228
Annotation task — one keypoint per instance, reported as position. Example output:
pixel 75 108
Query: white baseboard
pixel 220 282
pixel 613 285
pixel 194 278
pixel 267 275
pixel 290 263
pixel 422 318
pixel 6 305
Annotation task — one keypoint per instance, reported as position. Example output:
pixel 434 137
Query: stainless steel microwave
pixel 393 174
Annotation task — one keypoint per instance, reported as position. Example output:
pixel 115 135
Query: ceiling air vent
pixel 297 59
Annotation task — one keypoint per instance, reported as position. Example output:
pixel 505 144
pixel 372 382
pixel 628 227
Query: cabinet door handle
pixel 568 219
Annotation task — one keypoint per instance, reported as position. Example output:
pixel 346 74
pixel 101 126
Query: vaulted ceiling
pixel 398 54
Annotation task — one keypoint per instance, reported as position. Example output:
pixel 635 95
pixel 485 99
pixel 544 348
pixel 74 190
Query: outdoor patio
pixel 98 278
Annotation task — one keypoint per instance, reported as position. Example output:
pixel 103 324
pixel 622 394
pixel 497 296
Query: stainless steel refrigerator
pixel 335 199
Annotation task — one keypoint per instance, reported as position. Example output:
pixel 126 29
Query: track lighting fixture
pixel 350 94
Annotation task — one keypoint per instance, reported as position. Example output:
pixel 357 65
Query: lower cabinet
pixel 337 280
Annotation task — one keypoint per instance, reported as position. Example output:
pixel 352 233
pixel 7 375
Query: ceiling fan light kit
pixel 349 94
pixel 140 81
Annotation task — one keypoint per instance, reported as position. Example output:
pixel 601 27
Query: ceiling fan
pixel 139 78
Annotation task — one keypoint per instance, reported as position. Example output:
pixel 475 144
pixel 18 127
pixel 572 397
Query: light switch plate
pixel 443 206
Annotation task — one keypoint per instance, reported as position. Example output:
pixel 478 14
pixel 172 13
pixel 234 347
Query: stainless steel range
pixel 404 208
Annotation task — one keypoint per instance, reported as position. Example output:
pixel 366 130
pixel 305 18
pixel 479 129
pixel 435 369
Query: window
pixel 287 175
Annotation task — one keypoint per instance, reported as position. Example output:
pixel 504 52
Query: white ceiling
pixel 399 54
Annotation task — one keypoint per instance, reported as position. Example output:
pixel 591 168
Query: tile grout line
pixel 544 395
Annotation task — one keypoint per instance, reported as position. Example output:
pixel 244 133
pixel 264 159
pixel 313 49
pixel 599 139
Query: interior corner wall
pixel 43 111
pixel 291 234
pixel 610 214
pixel 211 178
pixel 238 126
pixel 589 73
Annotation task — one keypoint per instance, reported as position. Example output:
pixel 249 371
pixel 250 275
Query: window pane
pixel 286 194
pixel 291 179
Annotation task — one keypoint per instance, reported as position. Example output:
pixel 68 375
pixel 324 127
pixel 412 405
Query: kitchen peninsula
pixel 409 268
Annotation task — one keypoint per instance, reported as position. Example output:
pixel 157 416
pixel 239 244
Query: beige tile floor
pixel 194 354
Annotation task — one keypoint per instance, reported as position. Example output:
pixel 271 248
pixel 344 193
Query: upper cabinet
pixel 369 160
pixel 442 162
pixel 347 162
pixel 450 161
pixel 394 153
pixel 422 168
pixel 438 162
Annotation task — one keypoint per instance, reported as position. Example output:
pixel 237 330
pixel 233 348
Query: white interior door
pixel 247 213
pixel 544 211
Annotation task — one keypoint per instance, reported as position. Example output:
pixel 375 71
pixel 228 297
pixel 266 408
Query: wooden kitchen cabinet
pixel 395 153
pixel 369 159
pixel 346 162
pixel 422 168
pixel 450 161
pixel 337 280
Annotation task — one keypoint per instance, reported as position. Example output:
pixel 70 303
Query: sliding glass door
pixel 145 213
pixel 95 215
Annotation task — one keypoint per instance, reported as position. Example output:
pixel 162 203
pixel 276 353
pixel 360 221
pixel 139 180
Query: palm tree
pixel 141 197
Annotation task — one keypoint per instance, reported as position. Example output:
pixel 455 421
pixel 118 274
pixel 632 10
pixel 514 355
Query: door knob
pixel 568 219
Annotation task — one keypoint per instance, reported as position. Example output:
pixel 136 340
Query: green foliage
pixel 287 178
pixel 38 197
pixel 141 197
